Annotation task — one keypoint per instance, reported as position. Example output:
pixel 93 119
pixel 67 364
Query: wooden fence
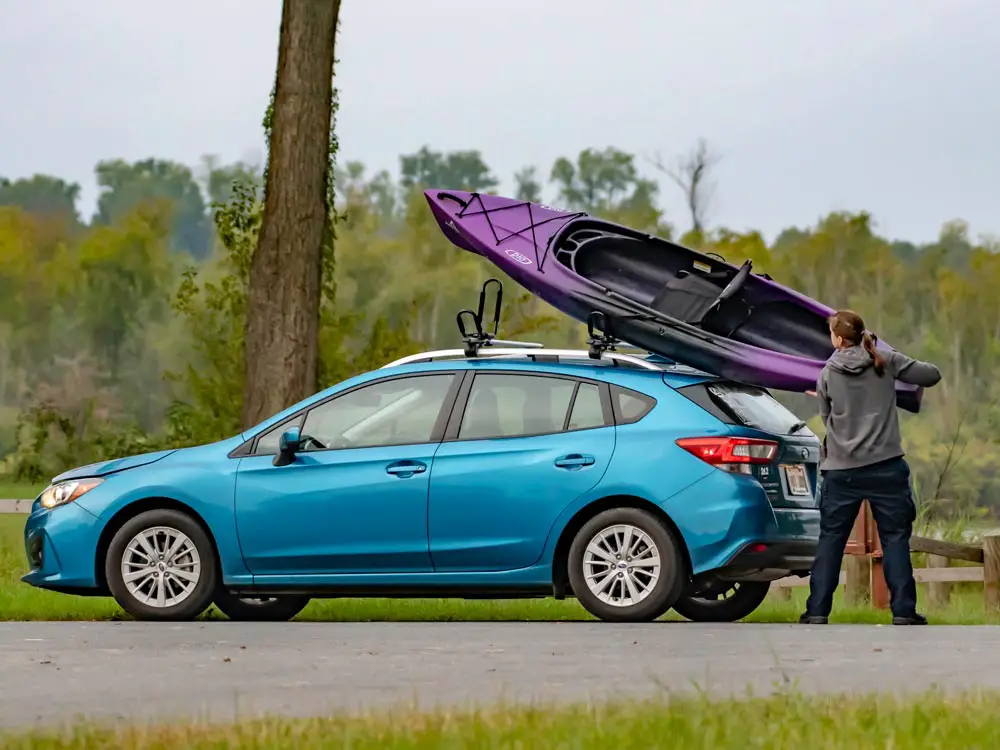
pixel 864 579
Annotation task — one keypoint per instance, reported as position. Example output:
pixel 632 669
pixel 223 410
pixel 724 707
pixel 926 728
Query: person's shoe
pixel 808 619
pixel 914 619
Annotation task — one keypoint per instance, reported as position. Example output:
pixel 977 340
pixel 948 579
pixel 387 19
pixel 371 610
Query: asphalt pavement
pixel 56 672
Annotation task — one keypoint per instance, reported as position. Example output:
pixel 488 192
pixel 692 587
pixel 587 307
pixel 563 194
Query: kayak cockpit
pixel 690 287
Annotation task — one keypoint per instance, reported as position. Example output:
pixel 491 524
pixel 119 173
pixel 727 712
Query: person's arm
pixel 913 371
pixel 824 399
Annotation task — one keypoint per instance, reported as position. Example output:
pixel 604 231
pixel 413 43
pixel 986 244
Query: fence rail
pixel 15 506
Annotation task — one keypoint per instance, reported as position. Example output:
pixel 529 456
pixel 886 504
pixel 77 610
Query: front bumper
pixel 61 546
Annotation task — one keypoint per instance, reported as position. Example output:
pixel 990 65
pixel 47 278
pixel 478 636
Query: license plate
pixel 798 482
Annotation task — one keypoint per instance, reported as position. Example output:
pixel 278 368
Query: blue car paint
pixel 340 512
pixel 69 539
pixel 103 468
pixel 464 541
pixel 502 524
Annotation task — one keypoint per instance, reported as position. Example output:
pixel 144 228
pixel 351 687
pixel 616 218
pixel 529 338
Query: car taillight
pixel 734 454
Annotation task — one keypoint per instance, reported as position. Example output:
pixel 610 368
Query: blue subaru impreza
pixel 634 484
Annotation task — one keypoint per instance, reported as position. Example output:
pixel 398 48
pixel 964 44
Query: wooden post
pixel 938 594
pixel 991 572
pixel 857 584
pixel 880 591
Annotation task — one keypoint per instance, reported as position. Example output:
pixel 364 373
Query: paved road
pixel 54 671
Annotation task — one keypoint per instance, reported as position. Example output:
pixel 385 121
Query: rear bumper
pixel 768 560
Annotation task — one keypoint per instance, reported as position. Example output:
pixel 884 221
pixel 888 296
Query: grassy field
pixel 11 490
pixel 786 721
pixel 19 601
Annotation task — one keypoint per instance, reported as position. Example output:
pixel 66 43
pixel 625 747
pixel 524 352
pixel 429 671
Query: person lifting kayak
pixel 862 458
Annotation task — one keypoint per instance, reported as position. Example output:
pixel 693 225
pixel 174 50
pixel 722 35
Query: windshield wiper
pixel 796 427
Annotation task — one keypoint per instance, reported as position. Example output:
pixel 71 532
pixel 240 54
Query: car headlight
pixel 67 492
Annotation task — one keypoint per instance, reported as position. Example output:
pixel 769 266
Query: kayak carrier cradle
pixel 479 338
pixel 600 345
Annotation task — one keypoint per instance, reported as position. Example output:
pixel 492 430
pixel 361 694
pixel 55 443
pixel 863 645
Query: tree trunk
pixel 282 327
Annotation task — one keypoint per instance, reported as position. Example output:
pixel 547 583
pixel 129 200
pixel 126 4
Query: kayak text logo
pixel 514 255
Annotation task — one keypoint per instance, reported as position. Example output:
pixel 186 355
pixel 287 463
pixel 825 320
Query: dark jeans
pixel 886 487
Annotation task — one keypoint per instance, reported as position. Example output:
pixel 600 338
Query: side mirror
pixel 288 445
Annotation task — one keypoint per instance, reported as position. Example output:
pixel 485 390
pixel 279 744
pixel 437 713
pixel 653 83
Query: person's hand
pixel 811 393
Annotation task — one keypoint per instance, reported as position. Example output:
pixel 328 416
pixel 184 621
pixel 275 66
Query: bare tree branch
pixel 690 173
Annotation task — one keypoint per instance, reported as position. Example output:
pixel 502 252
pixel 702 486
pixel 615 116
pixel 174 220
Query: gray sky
pixel 815 105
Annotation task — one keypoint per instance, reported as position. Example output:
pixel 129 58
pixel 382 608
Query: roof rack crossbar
pixel 519 352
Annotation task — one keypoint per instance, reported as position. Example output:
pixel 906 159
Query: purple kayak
pixel 688 306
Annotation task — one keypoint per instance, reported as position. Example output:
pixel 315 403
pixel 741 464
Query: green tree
pixel 455 170
pixel 527 186
pixel 124 186
pixel 607 184
pixel 42 195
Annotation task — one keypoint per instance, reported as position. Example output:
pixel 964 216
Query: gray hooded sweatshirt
pixel 859 407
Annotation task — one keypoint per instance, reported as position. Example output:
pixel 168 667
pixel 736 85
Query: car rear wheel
pixel 161 566
pixel 260 609
pixel 724 601
pixel 625 566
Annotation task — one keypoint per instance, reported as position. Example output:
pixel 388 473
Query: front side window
pixel 267 444
pixel 392 412
pixel 507 405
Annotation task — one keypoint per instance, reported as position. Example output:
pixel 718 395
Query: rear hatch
pixel 790 477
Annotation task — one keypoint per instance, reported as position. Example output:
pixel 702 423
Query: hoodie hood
pixel 852 361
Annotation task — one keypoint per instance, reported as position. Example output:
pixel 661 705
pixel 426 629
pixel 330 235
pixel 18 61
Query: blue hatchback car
pixel 634 484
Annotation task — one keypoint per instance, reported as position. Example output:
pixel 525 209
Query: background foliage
pixel 124 331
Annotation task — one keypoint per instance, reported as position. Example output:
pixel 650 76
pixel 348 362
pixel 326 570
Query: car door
pixel 522 446
pixel 354 500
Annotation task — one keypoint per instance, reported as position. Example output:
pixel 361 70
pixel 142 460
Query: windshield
pixel 755 407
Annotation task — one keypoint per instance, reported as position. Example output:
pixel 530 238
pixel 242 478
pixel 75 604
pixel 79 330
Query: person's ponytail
pixel 868 341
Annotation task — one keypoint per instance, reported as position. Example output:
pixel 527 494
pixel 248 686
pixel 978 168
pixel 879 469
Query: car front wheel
pixel 260 609
pixel 161 566
pixel 625 566
pixel 723 601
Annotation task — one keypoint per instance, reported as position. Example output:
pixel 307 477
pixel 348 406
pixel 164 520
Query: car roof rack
pixel 479 342
pixel 535 354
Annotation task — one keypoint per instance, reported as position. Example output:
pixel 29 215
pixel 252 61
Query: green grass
pixel 786 721
pixel 11 490
pixel 18 601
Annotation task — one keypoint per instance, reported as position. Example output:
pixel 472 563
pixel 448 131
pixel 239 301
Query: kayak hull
pixel 540 247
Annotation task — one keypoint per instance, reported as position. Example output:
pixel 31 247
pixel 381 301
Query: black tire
pixel 265 609
pixel 206 568
pixel 724 602
pixel 661 597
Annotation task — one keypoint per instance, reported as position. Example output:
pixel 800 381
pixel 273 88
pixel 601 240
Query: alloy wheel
pixel 621 565
pixel 161 566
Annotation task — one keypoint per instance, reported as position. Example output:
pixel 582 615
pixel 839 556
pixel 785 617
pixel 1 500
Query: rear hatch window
pixel 793 482
pixel 755 407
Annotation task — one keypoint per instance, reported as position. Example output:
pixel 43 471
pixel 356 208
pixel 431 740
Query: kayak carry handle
pixel 452 197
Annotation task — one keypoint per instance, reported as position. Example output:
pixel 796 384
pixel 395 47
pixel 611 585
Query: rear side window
pixel 508 405
pixel 587 408
pixel 754 407
pixel 630 406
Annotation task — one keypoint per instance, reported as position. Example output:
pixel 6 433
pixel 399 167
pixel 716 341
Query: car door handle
pixel 574 461
pixel 404 469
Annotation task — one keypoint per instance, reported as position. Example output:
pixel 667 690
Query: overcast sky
pixel 815 105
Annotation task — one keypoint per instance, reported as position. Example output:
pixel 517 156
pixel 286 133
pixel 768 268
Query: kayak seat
pixel 686 298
